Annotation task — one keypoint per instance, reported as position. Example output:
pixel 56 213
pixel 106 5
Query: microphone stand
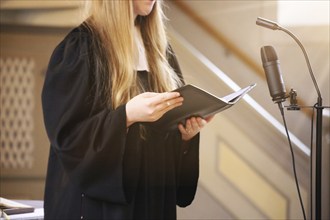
pixel 319 118
pixel 318 149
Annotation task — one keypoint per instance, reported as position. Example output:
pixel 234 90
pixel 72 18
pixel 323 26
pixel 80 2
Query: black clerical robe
pixel 97 169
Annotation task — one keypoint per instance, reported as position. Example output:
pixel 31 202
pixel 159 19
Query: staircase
pixel 245 160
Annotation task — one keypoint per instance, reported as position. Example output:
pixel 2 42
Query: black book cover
pixel 197 102
pixel 11 207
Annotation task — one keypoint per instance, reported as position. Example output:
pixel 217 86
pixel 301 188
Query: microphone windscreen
pixel 268 54
pixel 271 65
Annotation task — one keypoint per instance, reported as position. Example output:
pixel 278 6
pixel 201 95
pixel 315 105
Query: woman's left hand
pixel 193 127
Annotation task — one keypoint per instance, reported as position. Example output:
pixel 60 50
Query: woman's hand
pixel 193 126
pixel 149 106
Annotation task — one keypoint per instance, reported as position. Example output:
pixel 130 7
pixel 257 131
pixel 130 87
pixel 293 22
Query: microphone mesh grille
pixel 268 54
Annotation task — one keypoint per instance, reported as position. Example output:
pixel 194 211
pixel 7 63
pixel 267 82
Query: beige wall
pixel 35 44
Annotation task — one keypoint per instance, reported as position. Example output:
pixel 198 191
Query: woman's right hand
pixel 149 106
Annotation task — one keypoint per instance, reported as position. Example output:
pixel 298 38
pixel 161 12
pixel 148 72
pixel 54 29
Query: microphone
pixel 267 24
pixel 274 26
pixel 271 66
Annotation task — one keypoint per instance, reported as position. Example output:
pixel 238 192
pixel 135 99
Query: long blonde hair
pixel 112 24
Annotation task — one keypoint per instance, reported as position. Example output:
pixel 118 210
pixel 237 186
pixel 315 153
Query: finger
pixel 185 136
pixel 172 103
pixel 171 95
pixel 182 129
pixel 169 105
pixel 209 118
pixel 201 122
pixel 164 97
pixel 188 126
pixel 149 94
pixel 194 124
pixel 175 100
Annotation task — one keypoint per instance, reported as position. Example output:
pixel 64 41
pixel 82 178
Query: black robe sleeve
pixel 88 144
pixel 188 160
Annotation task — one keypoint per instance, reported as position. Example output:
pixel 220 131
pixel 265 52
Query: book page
pixel 10 207
pixel 6 203
pixel 233 97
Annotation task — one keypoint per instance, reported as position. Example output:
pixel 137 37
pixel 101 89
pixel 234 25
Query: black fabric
pixel 96 169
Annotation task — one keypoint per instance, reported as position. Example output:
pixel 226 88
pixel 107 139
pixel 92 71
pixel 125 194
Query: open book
pixel 11 207
pixel 197 102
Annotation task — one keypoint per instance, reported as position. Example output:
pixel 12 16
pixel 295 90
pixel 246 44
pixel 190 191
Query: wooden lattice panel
pixel 16 112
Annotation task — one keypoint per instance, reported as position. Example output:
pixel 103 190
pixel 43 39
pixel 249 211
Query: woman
pixel 105 81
